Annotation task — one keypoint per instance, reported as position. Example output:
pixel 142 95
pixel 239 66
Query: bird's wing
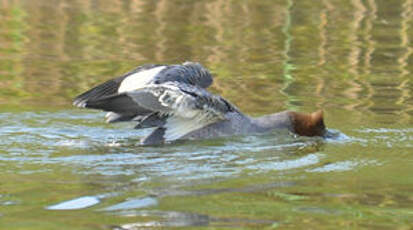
pixel 112 86
pixel 190 73
pixel 176 107
pixel 181 108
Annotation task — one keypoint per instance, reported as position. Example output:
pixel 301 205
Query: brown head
pixel 305 124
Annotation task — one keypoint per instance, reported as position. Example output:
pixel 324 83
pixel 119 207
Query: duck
pixel 174 101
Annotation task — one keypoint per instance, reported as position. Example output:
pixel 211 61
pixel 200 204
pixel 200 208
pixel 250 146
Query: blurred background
pixel 353 59
pixel 265 55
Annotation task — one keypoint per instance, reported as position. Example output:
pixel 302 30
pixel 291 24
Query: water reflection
pixel 181 219
pixel 350 58
pixel 133 204
pixel 67 48
pixel 78 203
pixel 115 150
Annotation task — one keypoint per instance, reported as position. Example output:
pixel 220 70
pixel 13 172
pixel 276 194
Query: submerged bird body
pixel 173 99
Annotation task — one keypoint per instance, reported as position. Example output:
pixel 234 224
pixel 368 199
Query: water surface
pixel 64 168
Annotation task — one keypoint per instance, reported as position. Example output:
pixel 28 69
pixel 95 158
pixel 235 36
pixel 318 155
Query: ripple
pixel 389 137
pixel 386 130
pixel 288 164
pixel 6 200
pixel 80 140
pixel 335 136
pixel 186 219
pixel 133 204
pixel 336 167
pixel 78 203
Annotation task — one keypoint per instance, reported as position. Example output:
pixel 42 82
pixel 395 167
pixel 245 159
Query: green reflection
pixel 350 58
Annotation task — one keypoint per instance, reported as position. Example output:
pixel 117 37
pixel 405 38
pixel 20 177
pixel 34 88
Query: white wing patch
pixel 139 79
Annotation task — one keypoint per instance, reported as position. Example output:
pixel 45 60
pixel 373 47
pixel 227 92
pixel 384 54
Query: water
pixel 64 168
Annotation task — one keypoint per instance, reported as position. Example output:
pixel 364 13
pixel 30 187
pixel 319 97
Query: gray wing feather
pixel 191 73
pixel 184 107
pixel 180 99
pixel 121 104
pixel 151 120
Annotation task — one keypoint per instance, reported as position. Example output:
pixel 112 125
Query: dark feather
pixel 107 88
pixel 120 103
pixel 190 73
pixel 156 137
pixel 152 120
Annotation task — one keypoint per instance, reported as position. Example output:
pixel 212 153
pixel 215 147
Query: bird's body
pixel 173 99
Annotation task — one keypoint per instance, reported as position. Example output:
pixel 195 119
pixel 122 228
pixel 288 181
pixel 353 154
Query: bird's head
pixel 305 124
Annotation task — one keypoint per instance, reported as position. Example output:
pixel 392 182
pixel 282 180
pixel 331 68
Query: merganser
pixel 174 101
